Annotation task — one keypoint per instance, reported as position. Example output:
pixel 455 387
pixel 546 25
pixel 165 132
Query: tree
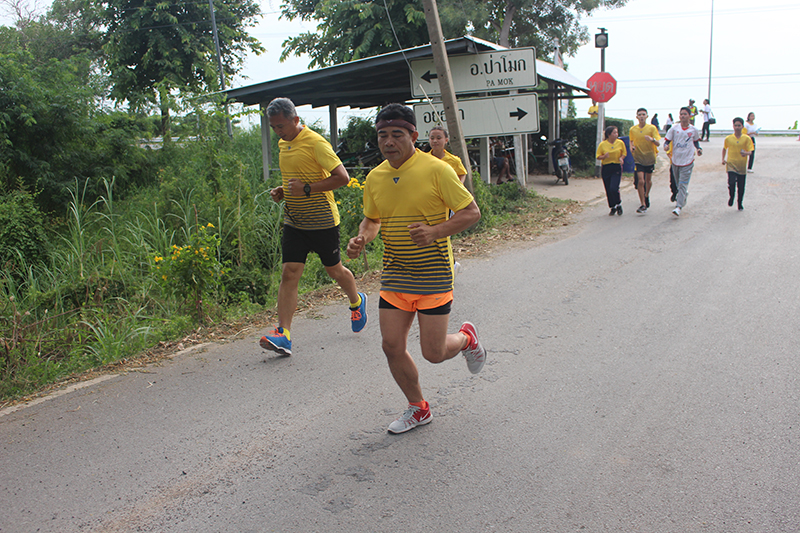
pixel 352 29
pixel 155 48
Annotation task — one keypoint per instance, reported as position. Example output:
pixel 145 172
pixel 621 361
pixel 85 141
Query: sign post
pixel 602 87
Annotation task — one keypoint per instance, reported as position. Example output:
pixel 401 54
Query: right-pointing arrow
pixel 519 113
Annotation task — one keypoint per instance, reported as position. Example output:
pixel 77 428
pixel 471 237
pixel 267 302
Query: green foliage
pixel 154 48
pixel 359 132
pixel 51 134
pixel 496 203
pixel 354 29
pixel 22 233
pixel 350 201
pixel 192 271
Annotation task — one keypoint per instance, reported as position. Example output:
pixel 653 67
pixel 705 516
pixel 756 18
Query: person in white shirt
pixel 706 120
pixel 686 140
pixel 751 130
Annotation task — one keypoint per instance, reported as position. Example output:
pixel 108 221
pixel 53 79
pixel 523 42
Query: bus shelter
pixel 387 78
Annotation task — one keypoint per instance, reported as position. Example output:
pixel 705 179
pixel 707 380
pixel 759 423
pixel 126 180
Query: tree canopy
pixel 352 29
pixel 154 47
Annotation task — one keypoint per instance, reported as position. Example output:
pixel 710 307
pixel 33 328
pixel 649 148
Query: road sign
pixel 483 117
pixel 602 86
pixel 498 70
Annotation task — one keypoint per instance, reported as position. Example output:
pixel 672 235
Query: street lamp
pixel 601 42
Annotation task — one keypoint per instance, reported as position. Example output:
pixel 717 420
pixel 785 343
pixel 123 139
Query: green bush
pixel 580 135
pixel 22 235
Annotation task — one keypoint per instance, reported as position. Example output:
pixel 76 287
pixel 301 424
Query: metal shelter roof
pixel 375 81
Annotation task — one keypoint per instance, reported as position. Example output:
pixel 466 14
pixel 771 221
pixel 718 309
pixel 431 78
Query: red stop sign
pixel 602 86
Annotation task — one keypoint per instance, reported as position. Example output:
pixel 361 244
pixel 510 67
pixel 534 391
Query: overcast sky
pixel 658 53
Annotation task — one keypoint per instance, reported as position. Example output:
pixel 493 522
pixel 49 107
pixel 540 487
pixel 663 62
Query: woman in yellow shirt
pixel 438 139
pixel 611 152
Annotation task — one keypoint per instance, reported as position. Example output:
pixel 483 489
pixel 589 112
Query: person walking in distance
pixel 685 140
pixel 737 147
pixel 310 172
pixel 644 140
pixel 668 124
pixel 407 198
pixel 611 152
pixel 707 114
pixel 692 111
pixel 751 130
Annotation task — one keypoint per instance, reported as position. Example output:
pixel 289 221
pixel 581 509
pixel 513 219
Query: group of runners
pixel 682 144
pixel 416 201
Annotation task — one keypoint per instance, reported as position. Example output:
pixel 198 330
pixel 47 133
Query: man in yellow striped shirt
pixel 407 198
pixel 310 171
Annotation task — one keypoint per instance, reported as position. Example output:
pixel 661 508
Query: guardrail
pixel 716 132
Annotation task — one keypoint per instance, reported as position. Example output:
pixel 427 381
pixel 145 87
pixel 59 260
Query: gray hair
pixel 281 106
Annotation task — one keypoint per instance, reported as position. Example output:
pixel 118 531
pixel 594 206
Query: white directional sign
pixel 498 70
pixel 484 117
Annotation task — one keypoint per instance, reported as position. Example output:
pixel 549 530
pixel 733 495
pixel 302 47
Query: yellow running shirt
pixel 645 152
pixel 422 190
pixel 455 162
pixel 616 152
pixel 736 161
pixel 309 158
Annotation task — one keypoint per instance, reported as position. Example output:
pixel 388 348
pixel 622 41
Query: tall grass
pixel 98 296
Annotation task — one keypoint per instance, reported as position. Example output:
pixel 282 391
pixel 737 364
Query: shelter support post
pixel 552 126
pixel 486 161
pixel 334 126
pixel 266 152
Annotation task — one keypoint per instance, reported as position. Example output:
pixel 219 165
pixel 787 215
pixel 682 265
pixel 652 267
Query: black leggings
pixel 706 132
pixel 612 174
pixel 736 180
pixel 752 154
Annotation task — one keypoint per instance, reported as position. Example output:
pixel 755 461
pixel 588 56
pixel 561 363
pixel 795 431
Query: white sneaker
pixel 413 417
pixel 676 211
pixel 474 352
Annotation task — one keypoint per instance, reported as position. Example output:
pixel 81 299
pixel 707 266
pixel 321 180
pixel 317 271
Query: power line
pixel 715 77
pixel 693 14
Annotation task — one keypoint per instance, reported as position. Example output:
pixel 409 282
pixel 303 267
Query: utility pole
pixel 219 65
pixel 710 50
pixel 457 141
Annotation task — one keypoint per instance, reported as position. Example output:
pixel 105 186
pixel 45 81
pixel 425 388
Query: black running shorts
pixel 297 243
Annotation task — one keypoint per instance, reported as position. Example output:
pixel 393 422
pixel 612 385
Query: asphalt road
pixel 642 376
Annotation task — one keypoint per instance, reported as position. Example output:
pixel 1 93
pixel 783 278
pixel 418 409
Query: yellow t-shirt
pixel 424 189
pixel 593 110
pixel 310 158
pixel 616 152
pixel 736 161
pixel 455 162
pixel 645 152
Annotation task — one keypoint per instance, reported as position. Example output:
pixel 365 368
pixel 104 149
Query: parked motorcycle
pixel 561 163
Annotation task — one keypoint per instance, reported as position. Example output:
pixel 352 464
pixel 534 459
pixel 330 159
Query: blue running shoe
pixel 358 316
pixel 277 341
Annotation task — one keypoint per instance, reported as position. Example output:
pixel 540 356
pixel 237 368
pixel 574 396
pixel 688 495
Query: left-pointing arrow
pixel 428 76
pixel 519 113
